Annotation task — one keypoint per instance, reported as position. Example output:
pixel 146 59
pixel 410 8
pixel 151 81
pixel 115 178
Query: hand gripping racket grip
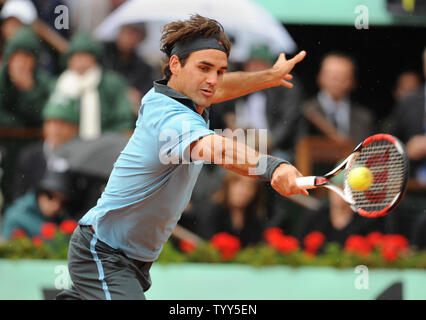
pixel 306 182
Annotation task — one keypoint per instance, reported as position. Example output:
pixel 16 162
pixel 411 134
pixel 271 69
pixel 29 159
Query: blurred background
pixel 72 76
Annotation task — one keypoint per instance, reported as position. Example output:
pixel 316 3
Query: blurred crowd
pixel 53 101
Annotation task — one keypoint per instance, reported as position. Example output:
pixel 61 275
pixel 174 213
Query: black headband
pixel 180 49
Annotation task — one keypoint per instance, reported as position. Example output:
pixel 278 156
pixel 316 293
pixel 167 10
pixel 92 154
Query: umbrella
pixel 246 22
pixel 93 157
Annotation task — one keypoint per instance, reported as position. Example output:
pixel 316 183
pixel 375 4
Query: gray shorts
pixel 102 273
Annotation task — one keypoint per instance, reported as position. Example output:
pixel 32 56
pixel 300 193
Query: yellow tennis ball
pixel 360 178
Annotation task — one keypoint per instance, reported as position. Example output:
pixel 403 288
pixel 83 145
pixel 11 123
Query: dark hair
pixel 55 181
pixel 343 55
pixel 257 204
pixel 140 27
pixel 193 28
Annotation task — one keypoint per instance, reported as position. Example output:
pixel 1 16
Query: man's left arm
pixel 240 83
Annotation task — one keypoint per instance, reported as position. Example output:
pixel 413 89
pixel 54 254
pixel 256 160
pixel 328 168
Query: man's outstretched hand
pixel 239 83
pixel 282 68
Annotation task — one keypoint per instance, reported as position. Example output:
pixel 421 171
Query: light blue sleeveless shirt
pixel 152 180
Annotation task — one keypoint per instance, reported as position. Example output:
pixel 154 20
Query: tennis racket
pixel 384 155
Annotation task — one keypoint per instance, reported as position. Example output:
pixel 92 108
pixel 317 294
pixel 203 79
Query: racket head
pixel 385 156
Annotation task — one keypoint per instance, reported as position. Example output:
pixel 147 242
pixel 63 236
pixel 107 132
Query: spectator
pixel 336 81
pixel 409 124
pixel 45 204
pixel 60 126
pixel 61 116
pixel 275 109
pixel 104 104
pixel 16 14
pixel 24 88
pixel 121 56
pixel 238 208
pixel 407 83
pixel 336 220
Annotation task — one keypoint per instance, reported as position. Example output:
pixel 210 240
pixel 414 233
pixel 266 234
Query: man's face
pixel 256 65
pixel 50 203
pixel 336 76
pixel 241 192
pixel 129 38
pixel 407 83
pixel 201 75
pixel 56 132
pixel 80 62
pixel 21 63
pixel 9 27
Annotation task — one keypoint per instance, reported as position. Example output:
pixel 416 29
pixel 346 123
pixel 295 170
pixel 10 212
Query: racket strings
pixel 387 166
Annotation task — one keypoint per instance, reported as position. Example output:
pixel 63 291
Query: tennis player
pixel 116 242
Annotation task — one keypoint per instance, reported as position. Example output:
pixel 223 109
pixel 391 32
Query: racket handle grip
pixel 306 182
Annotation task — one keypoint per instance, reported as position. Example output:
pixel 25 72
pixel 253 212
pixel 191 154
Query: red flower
pixel 48 230
pixel 37 241
pixel 276 239
pixel 397 240
pixel 392 246
pixel 313 241
pixel 68 226
pixel 375 239
pixel 389 253
pixel 187 246
pixel 18 234
pixel 227 244
pixel 358 245
pixel 273 235
pixel 288 244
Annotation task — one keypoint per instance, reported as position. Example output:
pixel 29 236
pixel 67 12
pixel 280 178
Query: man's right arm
pixel 240 158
